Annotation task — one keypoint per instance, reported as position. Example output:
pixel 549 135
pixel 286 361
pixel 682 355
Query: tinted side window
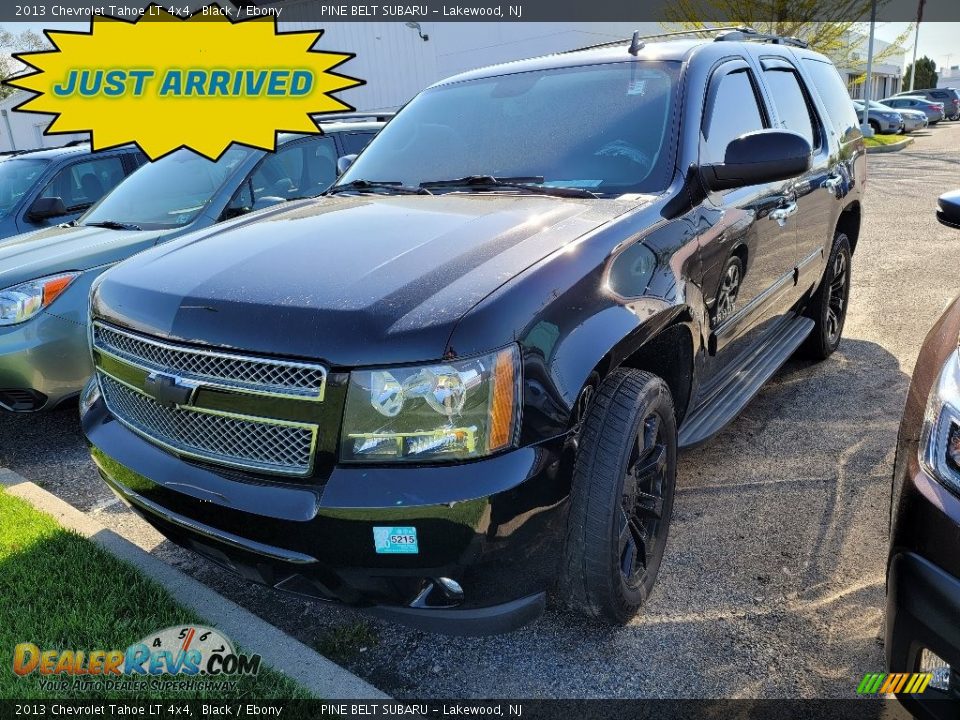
pixel 791 103
pixel 732 112
pixel 353 143
pixel 833 93
pixel 298 169
pixel 81 184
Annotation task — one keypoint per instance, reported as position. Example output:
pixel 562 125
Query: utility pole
pixel 865 124
pixel 916 41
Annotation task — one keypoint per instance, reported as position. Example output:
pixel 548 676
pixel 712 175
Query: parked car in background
pixel 923 571
pixel 47 274
pixel 913 120
pixel 461 378
pixel 950 98
pixel 933 110
pixel 882 119
pixel 43 188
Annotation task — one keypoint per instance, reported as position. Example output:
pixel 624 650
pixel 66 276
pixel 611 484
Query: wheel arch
pixel 664 345
pixel 849 223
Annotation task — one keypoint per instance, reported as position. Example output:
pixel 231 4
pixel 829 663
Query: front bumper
pixel 889 126
pixel 923 579
pixel 492 526
pixel 47 358
pixel 914 124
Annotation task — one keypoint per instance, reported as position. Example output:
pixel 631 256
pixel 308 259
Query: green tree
pixel 14 42
pixel 926 76
pixel 828 26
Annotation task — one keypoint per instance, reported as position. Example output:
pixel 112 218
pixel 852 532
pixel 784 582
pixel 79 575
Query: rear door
pixel 816 192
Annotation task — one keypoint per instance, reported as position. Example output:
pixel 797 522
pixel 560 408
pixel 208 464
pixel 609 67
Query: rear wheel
pixel 828 308
pixel 622 496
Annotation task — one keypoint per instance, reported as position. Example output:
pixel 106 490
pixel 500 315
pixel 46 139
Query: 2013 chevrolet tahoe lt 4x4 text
pixel 460 379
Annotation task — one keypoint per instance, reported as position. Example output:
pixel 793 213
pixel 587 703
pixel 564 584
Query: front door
pixel 749 257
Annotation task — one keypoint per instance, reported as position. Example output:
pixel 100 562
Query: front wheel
pixel 622 496
pixel 828 307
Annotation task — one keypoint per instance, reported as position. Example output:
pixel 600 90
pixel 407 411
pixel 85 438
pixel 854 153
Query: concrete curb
pixel 324 679
pixel 891 148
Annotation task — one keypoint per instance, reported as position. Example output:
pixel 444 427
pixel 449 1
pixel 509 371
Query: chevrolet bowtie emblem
pixel 169 390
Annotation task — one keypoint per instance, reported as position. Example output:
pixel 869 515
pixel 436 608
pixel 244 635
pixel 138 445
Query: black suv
pixel 462 378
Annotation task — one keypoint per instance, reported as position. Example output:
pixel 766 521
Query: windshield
pixel 16 178
pixel 168 193
pixel 602 128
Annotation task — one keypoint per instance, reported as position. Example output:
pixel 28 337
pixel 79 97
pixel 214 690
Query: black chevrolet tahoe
pixel 461 379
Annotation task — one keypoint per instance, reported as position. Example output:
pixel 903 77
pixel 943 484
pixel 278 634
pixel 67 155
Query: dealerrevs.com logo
pixel 178 657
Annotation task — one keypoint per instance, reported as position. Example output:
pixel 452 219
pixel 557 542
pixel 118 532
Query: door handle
pixel 782 213
pixel 832 183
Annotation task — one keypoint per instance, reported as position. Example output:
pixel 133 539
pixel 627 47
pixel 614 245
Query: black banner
pixel 871 708
pixel 718 11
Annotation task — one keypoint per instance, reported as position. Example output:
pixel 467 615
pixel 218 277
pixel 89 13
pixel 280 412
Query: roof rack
pixel 747 34
pixel 729 33
pixel 636 42
pixel 353 117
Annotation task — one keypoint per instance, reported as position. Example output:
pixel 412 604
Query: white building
pixel 24 131
pixel 949 77
pixel 887 75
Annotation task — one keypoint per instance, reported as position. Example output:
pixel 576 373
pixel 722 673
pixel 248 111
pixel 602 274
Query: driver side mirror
pixel 344 162
pixel 759 157
pixel 46 207
pixel 948 209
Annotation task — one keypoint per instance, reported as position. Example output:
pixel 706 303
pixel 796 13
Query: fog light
pixel 939 668
pixel 451 588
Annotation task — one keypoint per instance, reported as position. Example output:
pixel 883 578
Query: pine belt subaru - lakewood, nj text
pixel 460 379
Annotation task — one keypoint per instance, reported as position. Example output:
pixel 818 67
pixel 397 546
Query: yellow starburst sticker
pixel 200 82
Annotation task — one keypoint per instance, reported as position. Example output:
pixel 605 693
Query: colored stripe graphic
pixel 883 683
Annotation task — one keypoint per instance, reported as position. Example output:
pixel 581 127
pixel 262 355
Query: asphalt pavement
pixel 773 581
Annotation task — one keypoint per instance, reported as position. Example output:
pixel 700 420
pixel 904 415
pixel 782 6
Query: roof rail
pixel 747 34
pixel 636 42
pixel 353 117
pixel 730 33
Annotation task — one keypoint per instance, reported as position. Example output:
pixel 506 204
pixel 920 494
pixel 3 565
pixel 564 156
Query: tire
pixel 729 289
pixel 828 307
pixel 874 125
pixel 611 561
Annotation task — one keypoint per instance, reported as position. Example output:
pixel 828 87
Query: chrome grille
pixel 258 375
pixel 238 441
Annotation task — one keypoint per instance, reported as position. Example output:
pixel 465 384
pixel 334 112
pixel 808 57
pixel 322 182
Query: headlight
pixel 940 436
pixel 448 411
pixel 22 302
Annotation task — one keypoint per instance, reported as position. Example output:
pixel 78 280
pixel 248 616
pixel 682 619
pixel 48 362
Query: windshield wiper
pixel 114 225
pixel 392 185
pixel 532 183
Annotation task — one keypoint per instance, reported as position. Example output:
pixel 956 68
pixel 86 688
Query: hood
pixel 59 249
pixel 352 281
